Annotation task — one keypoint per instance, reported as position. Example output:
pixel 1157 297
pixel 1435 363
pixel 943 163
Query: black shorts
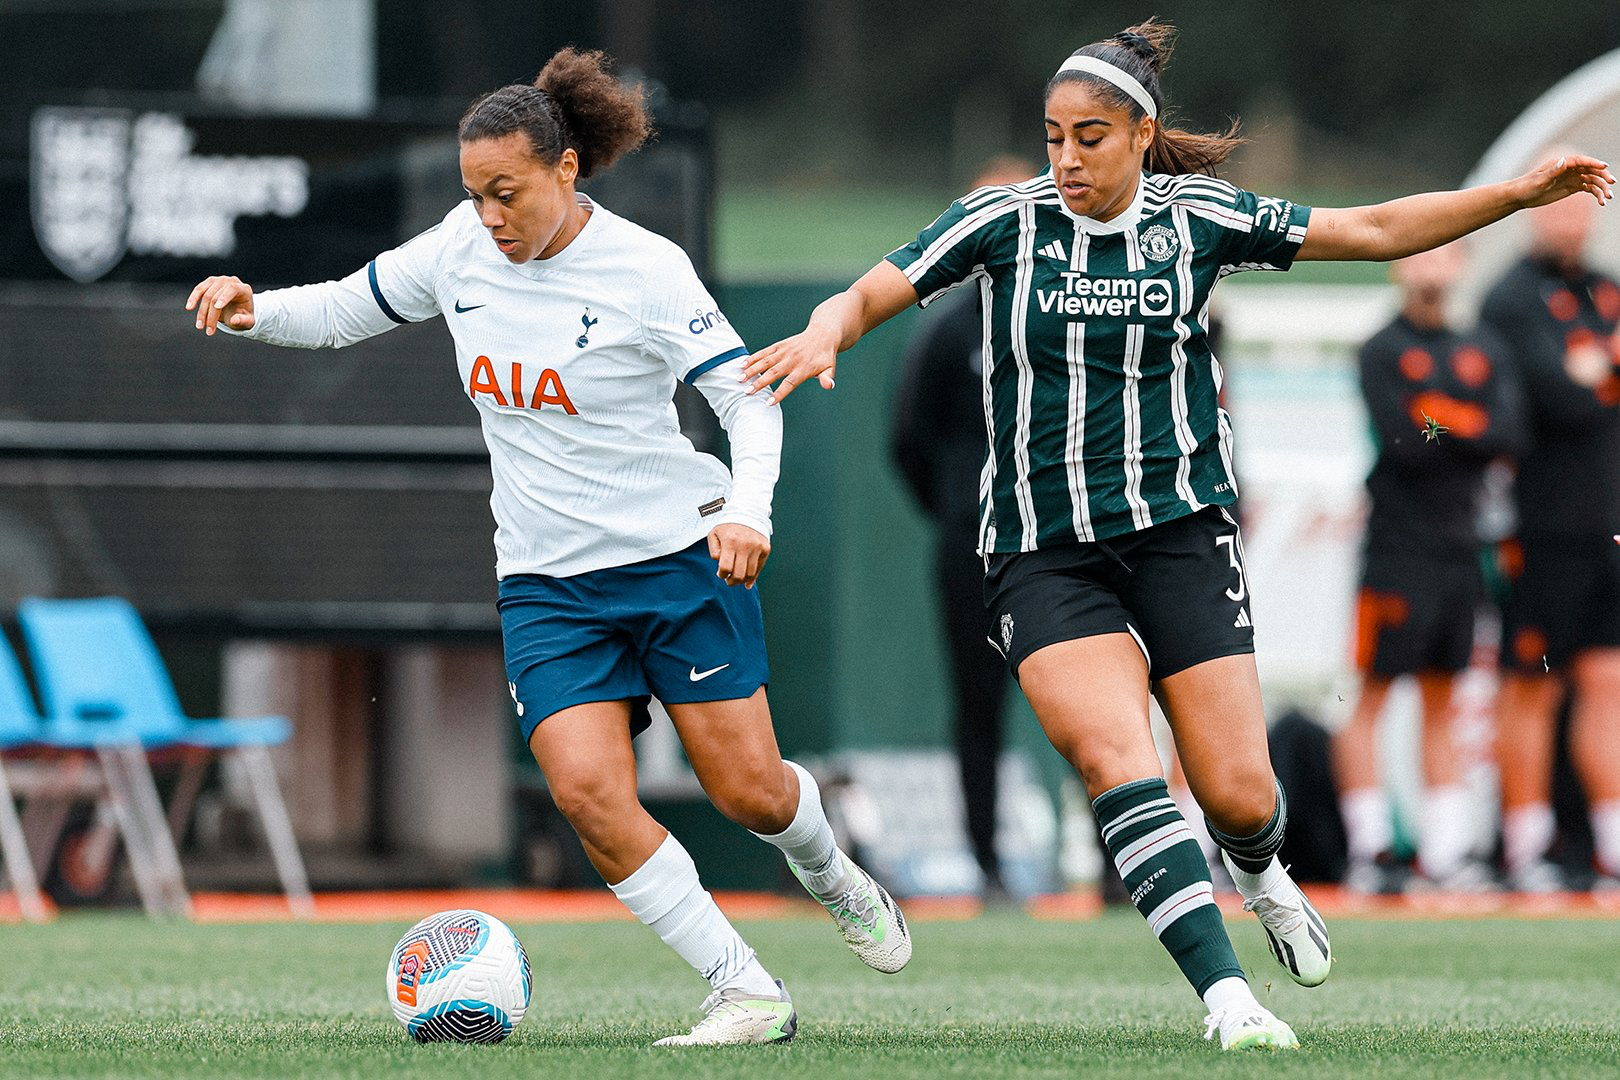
pixel 1563 598
pixel 1416 614
pixel 1178 588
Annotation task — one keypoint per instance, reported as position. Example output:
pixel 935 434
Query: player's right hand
pixel 222 298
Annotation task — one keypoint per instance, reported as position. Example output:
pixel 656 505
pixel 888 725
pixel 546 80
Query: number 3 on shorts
pixel 1234 552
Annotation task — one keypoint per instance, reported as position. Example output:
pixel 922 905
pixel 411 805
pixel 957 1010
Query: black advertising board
pixel 159 191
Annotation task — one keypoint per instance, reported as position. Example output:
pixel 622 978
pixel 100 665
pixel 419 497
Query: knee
pixel 1243 803
pixel 759 803
pixel 1105 764
pixel 592 803
pixel 1597 676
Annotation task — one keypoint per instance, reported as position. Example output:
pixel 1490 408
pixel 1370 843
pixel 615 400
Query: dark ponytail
pixel 573 102
pixel 1143 52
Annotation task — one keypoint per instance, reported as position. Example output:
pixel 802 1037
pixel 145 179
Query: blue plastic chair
pixel 20 727
pixel 103 682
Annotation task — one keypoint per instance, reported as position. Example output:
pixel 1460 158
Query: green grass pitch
pixel 1003 996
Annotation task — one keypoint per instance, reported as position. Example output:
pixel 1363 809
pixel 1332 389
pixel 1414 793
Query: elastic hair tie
pixel 1135 42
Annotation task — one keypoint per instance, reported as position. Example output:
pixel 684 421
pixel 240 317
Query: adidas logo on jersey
pixel 1243 619
pixel 1054 250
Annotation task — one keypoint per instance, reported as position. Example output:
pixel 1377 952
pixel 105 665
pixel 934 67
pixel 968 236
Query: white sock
pixel 664 892
pixel 1527 833
pixel 1606 835
pixel 808 841
pixel 1443 840
pixel 1197 824
pixel 1254 884
pixel 1229 993
pixel 1367 824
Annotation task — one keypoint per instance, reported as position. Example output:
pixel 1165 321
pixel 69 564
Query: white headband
pixel 1121 78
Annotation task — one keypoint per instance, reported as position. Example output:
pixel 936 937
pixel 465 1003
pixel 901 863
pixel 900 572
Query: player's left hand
pixel 740 552
pixel 1565 176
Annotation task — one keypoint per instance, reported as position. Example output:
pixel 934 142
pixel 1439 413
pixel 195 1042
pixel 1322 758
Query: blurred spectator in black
pixel 939 446
pixel 1561 626
pixel 1441 409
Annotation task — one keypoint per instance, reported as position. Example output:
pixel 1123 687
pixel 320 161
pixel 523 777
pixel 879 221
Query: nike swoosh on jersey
pixel 463 310
pixel 699 676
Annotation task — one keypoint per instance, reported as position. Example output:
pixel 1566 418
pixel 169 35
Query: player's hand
pixel 740 552
pixel 1588 361
pixel 222 299
pixel 1565 176
pixel 792 361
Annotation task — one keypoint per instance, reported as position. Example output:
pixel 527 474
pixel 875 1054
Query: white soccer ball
pixel 459 976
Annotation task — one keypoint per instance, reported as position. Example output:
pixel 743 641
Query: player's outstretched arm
pixel 837 323
pixel 1402 227
pixel 222 299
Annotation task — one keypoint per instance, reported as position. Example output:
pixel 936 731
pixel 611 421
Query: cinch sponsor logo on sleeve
pixel 1083 294
pixel 704 320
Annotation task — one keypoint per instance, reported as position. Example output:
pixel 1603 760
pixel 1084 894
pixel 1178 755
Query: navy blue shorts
pixel 668 628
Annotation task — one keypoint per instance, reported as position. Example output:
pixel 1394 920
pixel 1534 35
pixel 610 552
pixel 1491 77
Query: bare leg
pixel 1219 726
pixel 1527 712
pixel 1443 834
pixel 585 754
pixel 1442 764
pixel 1595 725
pixel 1595 746
pixel 1355 747
pixel 1363 803
pixel 1091 698
pixel 732 748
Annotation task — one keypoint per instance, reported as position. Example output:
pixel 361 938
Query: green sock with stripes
pixel 1168 880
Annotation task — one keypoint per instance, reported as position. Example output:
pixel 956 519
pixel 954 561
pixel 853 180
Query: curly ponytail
pixel 573 102
pixel 1143 52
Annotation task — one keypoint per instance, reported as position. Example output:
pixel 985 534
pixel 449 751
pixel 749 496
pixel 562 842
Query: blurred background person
pixel 1421 583
pixel 1561 626
pixel 938 444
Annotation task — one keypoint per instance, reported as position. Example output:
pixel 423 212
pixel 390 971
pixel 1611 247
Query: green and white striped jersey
pixel 1100 389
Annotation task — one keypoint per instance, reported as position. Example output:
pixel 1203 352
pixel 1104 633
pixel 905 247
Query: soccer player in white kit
pixel 620 547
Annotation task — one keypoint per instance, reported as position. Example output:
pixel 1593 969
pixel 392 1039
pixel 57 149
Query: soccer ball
pixel 459 976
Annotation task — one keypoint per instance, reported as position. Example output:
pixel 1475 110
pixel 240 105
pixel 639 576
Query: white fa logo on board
pixel 1158 243
pixel 104 182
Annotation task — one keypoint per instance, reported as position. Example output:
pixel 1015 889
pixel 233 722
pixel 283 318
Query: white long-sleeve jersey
pixel 571 362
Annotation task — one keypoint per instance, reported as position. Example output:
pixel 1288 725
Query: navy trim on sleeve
pixel 691 376
pixel 371 272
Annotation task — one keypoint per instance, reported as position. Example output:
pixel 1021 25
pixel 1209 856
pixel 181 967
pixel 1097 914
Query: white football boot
pixel 1250 1028
pixel 1296 933
pixel 868 918
pixel 735 1017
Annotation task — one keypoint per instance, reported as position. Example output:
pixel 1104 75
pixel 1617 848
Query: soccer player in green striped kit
pixel 1112 566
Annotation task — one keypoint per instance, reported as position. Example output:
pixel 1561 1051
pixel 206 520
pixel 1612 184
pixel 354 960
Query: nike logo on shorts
pixel 699 676
pixel 463 310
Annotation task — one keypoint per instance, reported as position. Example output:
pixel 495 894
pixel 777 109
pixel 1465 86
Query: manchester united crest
pixel 1159 243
